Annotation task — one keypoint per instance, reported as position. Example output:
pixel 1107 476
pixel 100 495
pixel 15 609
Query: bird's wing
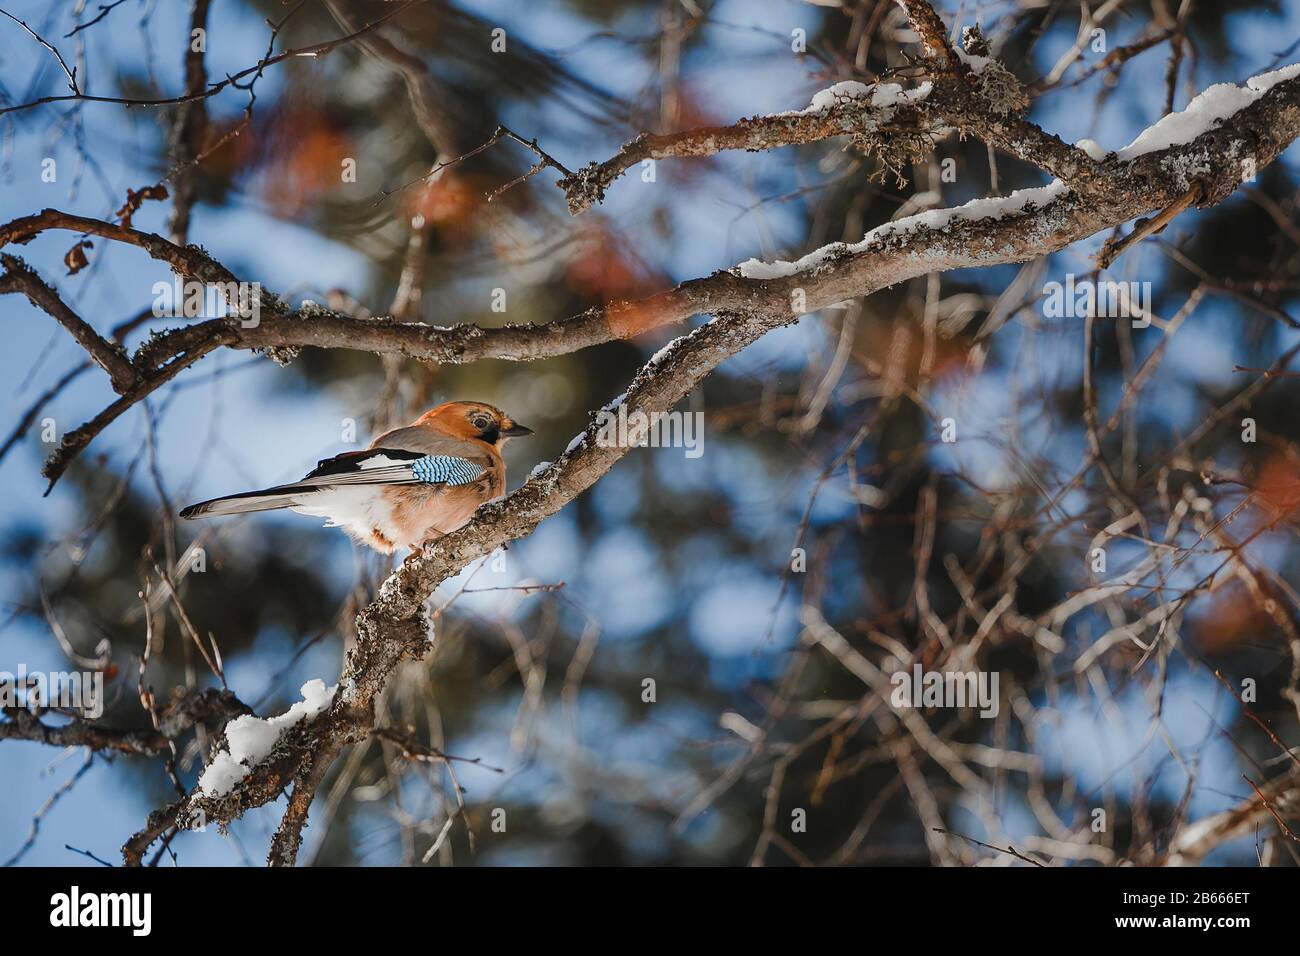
pixel 392 466
pixel 429 441
pixel 352 461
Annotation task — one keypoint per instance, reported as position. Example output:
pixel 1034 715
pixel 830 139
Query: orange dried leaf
pixel 76 259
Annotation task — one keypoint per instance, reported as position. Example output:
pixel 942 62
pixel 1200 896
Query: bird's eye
pixel 480 421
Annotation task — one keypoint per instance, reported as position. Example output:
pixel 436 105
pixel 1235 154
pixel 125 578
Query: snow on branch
pixel 935 220
pixel 877 96
pixel 1209 109
pixel 1214 140
pixel 250 740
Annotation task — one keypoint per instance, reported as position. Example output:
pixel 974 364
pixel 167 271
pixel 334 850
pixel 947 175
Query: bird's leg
pixel 430 538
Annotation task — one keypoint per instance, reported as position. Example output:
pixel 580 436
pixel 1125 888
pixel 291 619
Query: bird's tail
pixel 268 499
pixel 376 466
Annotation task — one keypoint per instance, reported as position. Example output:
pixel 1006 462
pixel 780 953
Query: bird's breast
pixel 419 512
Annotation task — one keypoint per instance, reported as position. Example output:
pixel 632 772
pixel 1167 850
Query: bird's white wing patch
pixel 380 461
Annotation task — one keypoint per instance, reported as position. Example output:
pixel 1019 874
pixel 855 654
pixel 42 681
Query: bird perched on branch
pixel 410 487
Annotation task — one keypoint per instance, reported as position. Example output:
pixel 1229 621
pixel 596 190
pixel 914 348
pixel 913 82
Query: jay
pixel 411 486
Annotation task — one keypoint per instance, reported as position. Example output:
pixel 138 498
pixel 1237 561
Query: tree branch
pixel 189 129
pixel 849 115
pixel 231 80
pixel 20 277
pixel 1192 843
pixel 932 32
pixel 173 722
pixel 956 96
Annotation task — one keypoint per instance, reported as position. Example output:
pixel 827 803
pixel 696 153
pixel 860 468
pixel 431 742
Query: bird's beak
pixel 515 430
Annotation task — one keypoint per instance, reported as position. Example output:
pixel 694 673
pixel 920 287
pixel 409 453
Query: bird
pixel 413 485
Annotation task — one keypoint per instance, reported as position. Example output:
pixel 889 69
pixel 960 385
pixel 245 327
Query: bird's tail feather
pixel 268 499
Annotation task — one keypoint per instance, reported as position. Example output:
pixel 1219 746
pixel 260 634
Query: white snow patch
pixel 251 739
pixel 658 356
pixel 777 269
pixel 977 64
pixel 1093 148
pixel 1266 81
pixel 1210 108
pixel 538 468
pixel 881 95
pixel 656 359
pixel 936 219
pixel 1203 114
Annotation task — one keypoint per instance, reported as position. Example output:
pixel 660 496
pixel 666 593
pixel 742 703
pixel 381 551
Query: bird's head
pixel 475 420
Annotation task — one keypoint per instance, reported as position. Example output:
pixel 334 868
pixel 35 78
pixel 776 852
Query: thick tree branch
pixel 189 262
pixel 954 96
pixel 22 725
pixel 947 100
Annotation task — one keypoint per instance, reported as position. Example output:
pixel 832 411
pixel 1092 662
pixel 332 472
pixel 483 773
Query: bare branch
pixel 232 80
pixel 20 277
pixel 1191 844
pixel 179 717
pixel 188 130
pixel 69 73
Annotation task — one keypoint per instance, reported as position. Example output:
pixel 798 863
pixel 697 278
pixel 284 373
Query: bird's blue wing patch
pixel 400 467
pixel 445 470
